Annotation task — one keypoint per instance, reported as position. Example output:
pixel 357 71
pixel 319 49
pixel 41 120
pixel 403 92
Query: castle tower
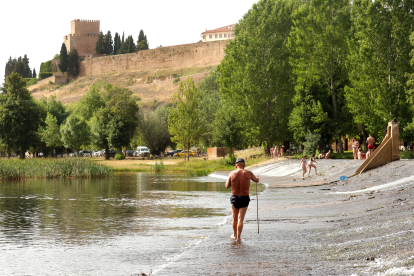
pixel 83 36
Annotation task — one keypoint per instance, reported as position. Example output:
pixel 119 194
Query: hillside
pixel 148 85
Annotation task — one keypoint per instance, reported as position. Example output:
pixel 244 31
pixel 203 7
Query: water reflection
pixel 128 211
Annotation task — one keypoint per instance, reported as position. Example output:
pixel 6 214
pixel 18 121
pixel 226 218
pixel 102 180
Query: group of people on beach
pixel 276 152
pixel 358 153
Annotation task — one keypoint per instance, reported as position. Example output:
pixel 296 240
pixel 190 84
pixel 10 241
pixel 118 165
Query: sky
pixel 37 28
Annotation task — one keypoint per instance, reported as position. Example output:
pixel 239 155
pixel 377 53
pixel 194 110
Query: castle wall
pixel 180 56
pixel 84 43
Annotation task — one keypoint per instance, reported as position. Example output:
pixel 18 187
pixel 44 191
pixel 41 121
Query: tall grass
pixel 15 169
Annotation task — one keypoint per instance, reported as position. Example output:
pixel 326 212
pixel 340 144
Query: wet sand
pixel 316 226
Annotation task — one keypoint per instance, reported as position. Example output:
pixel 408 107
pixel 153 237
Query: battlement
pixel 78 26
pixel 83 20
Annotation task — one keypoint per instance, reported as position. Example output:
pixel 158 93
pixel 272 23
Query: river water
pixel 123 225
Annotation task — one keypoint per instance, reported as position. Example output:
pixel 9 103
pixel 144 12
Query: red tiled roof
pixel 220 30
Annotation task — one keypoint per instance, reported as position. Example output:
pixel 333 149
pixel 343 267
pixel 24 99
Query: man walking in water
pixel 370 142
pixel 239 181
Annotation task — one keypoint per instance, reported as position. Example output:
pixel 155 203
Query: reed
pixel 15 169
pixel 200 172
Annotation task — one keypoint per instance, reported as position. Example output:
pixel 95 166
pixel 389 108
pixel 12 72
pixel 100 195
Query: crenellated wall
pixel 180 56
pixel 84 26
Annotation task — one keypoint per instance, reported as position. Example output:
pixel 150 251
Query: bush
pixel 406 155
pixel 44 75
pixel 45 67
pixel 311 144
pixel 230 160
pixel 176 80
pixel 31 81
pixel 119 156
pixel 158 167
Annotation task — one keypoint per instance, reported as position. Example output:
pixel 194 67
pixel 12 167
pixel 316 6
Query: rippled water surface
pixel 130 223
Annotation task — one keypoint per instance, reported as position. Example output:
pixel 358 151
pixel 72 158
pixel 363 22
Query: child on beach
pixel 361 155
pixel 303 164
pixel 321 155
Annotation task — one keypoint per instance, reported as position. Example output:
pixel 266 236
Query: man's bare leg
pixel 241 214
pixel 235 219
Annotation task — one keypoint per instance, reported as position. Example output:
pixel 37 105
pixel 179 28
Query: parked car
pixel 172 153
pixel 142 152
pixel 111 153
pixel 186 153
pixel 128 153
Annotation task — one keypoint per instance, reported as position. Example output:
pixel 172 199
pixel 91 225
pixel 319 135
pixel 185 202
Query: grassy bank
pixel 15 169
pixel 197 166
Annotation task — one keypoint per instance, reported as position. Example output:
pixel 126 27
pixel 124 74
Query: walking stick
pixel 257 200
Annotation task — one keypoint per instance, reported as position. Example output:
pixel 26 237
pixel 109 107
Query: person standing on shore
pixel 355 146
pixel 311 165
pixel 303 164
pixel 370 142
pixel 239 181
pixel 271 152
pixel 328 154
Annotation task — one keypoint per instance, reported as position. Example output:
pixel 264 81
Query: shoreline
pixel 318 230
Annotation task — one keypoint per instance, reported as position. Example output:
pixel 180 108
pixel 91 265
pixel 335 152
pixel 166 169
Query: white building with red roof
pixel 223 33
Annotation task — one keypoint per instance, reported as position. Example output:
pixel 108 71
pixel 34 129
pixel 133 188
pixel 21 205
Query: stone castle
pixel 85 33
pixel 83 36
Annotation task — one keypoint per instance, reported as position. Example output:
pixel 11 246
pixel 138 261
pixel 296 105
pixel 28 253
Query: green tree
pixel 27 71
pixel 115 123
pixel 99 47
pixel 63 64
pixel 142 43
pixel 153 129
pixel 228 128
pixel 34 75
pixel 183 121
pixel 255 74
pixel 10 66
pixel 73 62
pixel 90 103
pixel 108 44
pixel 75 132
pixel 19 68
pixel 50 134
pixel 209 102
pixel 55 108
pixel 312 112
pixel 117 43
pixel 131 44
pixel 318 43
pixel 379 62
pixel 19 115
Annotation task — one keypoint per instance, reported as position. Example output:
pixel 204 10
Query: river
pixel 123 225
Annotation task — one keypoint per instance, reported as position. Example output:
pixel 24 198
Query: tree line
pixel 120 45
pixel 105 117
pixel 335 68
pixel 21 66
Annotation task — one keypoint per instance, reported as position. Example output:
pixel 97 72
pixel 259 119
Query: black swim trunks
pixel 239 201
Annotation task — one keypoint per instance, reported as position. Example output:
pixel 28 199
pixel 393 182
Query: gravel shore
pixel 363 225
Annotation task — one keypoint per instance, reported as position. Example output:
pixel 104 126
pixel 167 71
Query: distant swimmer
pixel 370 142
pixel 303 165
pixel 239 181
pixel 312 165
